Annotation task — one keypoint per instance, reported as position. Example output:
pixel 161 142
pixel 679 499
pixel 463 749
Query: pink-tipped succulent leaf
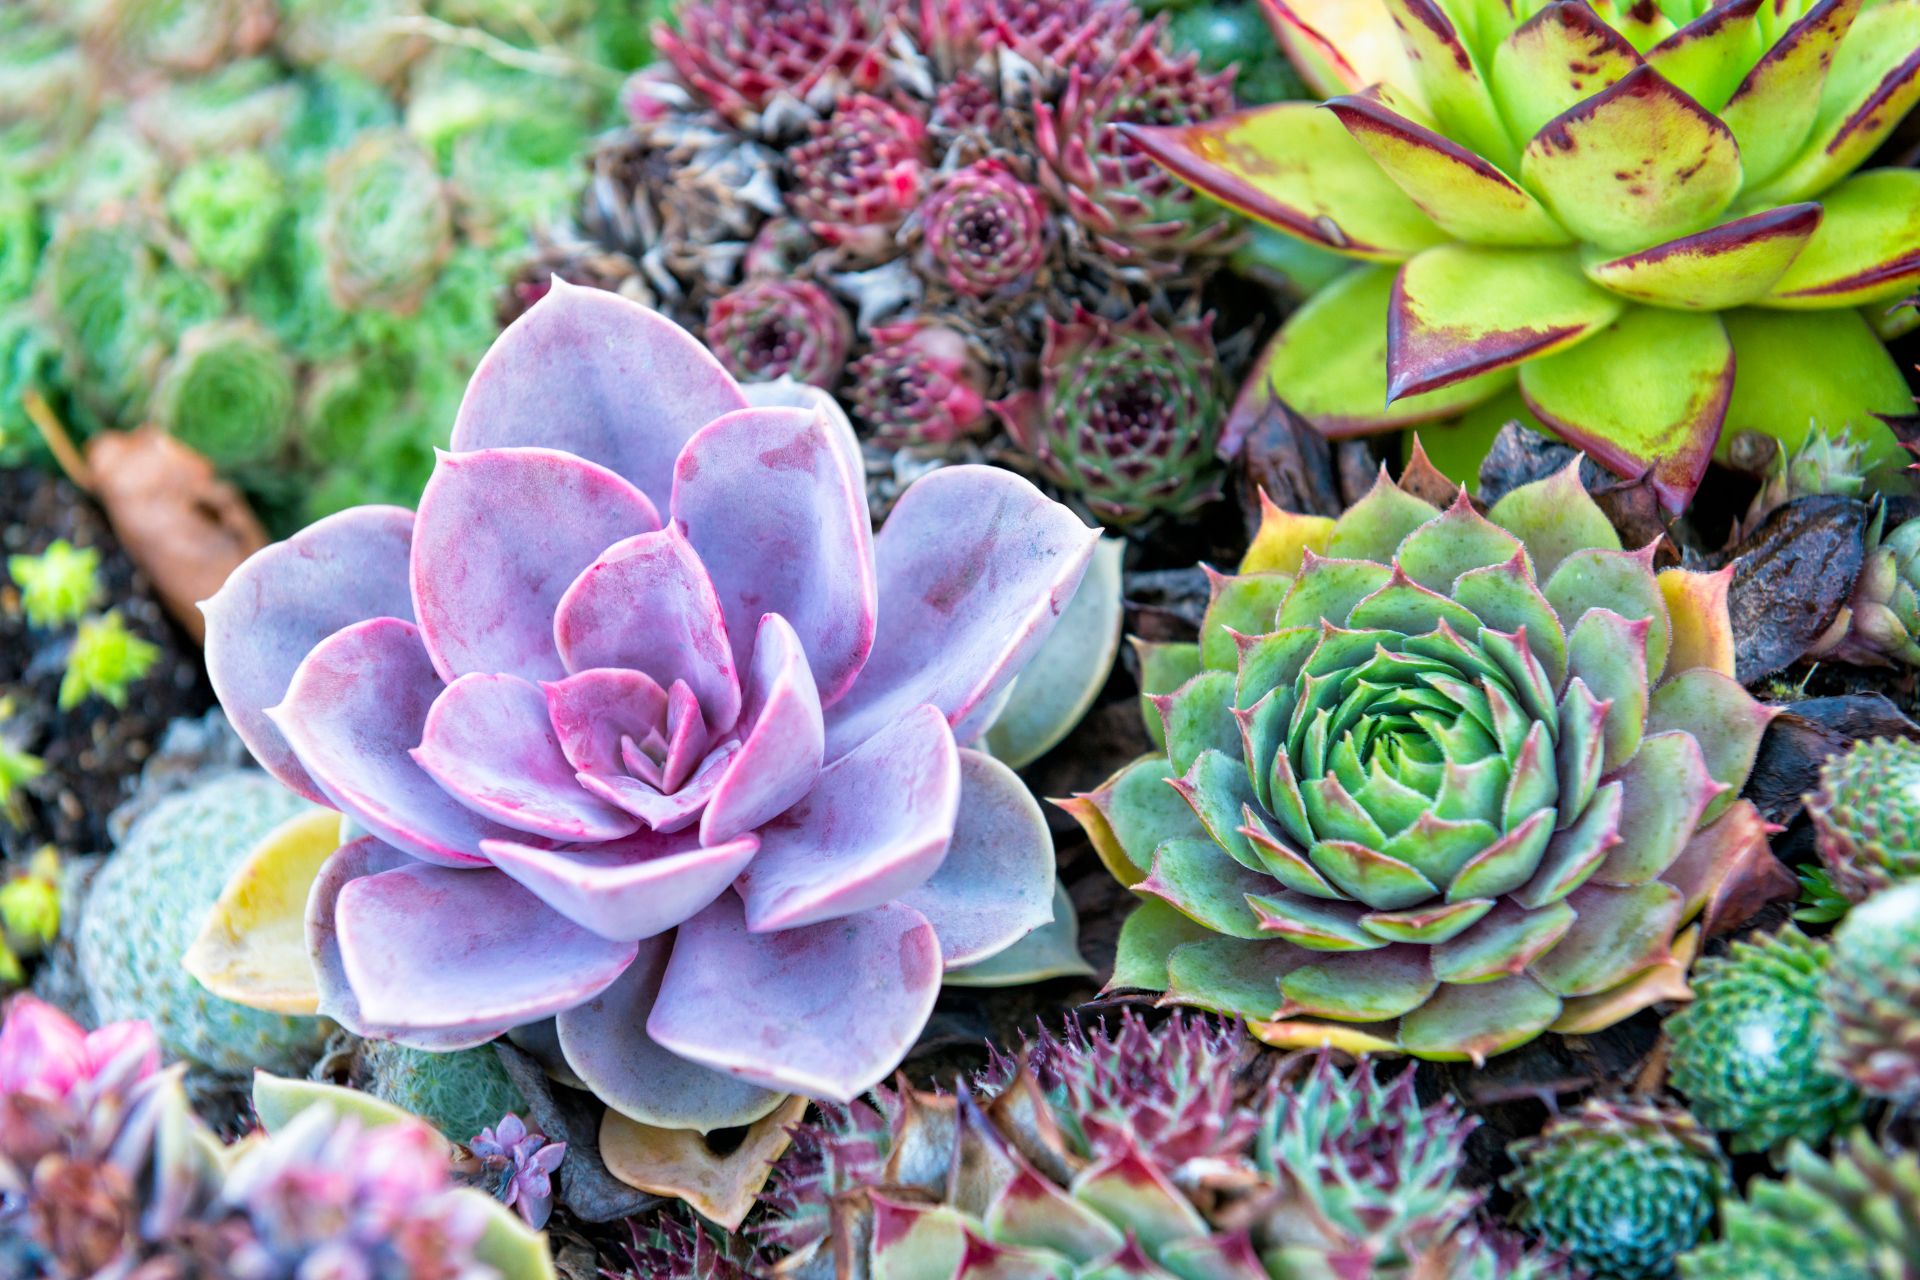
pixel 638 683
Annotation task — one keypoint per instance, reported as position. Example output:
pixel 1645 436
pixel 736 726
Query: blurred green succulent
pixel 58 585
pixel 106 660
pixel 226 206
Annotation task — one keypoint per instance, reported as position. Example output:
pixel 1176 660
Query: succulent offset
pixel 1623 1188
pixel 1879 625
pixel 1866 816
pixel 110 1173
pixel 1853 1216
pixel 1434 781
pixel 668 743
pixel 1639 215
pixel 1872 1034
pixel 899 200
pixel 1150 1153
pixel 1747 1051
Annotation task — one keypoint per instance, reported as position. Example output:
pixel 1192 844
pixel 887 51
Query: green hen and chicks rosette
pixel 1435 781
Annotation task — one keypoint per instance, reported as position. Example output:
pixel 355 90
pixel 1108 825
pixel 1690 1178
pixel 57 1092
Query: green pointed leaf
pixel 1272 662
pixel 1147 938
pixel 1314 924
pixel 1582 751
pixel 277 1100
pixel 1525 677
pixel 1198 717
pixel 1502 945
pixel 1535 784
pixel 1407 608
pixel 1246 603
pixel 1125 1187
pixel 1562 55
pixel 1250 161
pixel 1383 883
pixel 1129 815
pixel 1217 789
pixel 1709 57
pixel 1327 591
pixel 1426 925
pixel 1032 1212
pixel 1801 369
pixel 1644 25
pixel 1465 195
pixel 1505 597
pixel 1365 986
pixel 1474 1023
pixel 1616 933
pixel 1634 165
pixel 1374 527
pixel 1573 855
pixel 1866 250
pixel 1647 395
pixel 1463 310
pixel 1450 80
pixel 1232 977
pixel 1722 717
pixel 1507 864
pixel 1553 518
pixel 1773 109
pixel 1163 669
pixel 1608 654
pixel 1285 863
pixel 1874 80
pixel 1664 790
pixel 1329 362
pixel 1712 270
pixel 1621 582
pixel 1460 540
pixel 1469 792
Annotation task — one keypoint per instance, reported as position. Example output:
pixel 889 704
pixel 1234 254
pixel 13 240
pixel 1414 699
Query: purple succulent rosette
pixel 649 731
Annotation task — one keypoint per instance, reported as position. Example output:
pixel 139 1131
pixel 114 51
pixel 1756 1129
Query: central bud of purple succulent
pixel 688 774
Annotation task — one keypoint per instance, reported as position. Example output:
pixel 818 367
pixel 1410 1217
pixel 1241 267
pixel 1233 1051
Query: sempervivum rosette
pixel 771 329
pixel 1449 780
pixel 684 770
pixel 986 231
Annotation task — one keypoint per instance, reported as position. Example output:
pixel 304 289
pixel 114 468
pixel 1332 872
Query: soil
pixel 94 752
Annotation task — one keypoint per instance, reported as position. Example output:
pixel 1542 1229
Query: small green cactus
pixel 1866 816
pixel 105 662
pixel 1622 1187
pixel 147 904
pixel 1746 1052
pixel 457 1093
pixel 1873 996
pixel 58 585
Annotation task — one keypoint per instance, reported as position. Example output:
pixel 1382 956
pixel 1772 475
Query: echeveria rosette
pixel 1642 215
pixel 1127 417
pixel 685 770
pixel 1435 781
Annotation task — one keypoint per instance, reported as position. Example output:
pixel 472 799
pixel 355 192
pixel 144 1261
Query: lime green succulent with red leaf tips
pixel 1641 214
pixel 1436 781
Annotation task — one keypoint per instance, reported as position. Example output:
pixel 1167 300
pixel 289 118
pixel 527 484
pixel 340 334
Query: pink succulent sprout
pixel 523 1162
pixel 920 385
pixel 741 57
pixel 45 1054
pixel 985 231
pixel 768 329
pixel 860 174
pixel 687 770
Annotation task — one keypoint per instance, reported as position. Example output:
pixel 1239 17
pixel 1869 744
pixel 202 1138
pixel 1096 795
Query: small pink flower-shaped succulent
pixel 650 731
pixel 47 1055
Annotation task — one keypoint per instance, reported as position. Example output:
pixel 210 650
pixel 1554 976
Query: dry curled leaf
pixel 185 527
pixel 1790 578
pixel 681 1163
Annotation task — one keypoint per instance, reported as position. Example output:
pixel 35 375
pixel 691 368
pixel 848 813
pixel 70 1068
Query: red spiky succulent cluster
pixel 860 173
pixel 921 384
pixel 986 231
pixel 741 55
pixel 771 329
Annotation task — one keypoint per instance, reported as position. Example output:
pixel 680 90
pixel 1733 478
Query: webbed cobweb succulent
pixel 1639 215
pixel 649 731
pixel 1436 781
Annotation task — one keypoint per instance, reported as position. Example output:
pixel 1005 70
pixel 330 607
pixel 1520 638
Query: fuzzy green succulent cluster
pixel 1853 1216
pixel 1636 224
pixel 279 237
pixel 1866 818
pixel 1873 996
pixel 1623 1188
pixel 1747 1051
pixel 1435 782
pixel 1181 1152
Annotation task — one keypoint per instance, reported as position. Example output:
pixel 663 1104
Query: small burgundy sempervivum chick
pixel 649 731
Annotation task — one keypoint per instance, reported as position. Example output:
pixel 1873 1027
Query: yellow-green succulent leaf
pixel 1775 106
pixel 1800 370
pixel 1726 266
pixel 1634 165
pixel 1451 81
pixel 1647 395
pixel 1709 57
pixel 1339 46
pixel 1464 310
pixel 1294 166
pixel 252 949
pixel 1866 250
pixel 1465 195
pixel 1329 362
pixel 1559 57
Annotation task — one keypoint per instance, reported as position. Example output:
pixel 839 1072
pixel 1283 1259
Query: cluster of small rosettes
pixel 1623 1188
pixel 1747 1050
pixel 771 329
pixel 1872 1033
pixel 1866 816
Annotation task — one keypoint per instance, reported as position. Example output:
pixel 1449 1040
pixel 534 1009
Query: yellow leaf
pixel 1702 631
pixel 678 1162
pixel 252 949
pixel 1284 539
